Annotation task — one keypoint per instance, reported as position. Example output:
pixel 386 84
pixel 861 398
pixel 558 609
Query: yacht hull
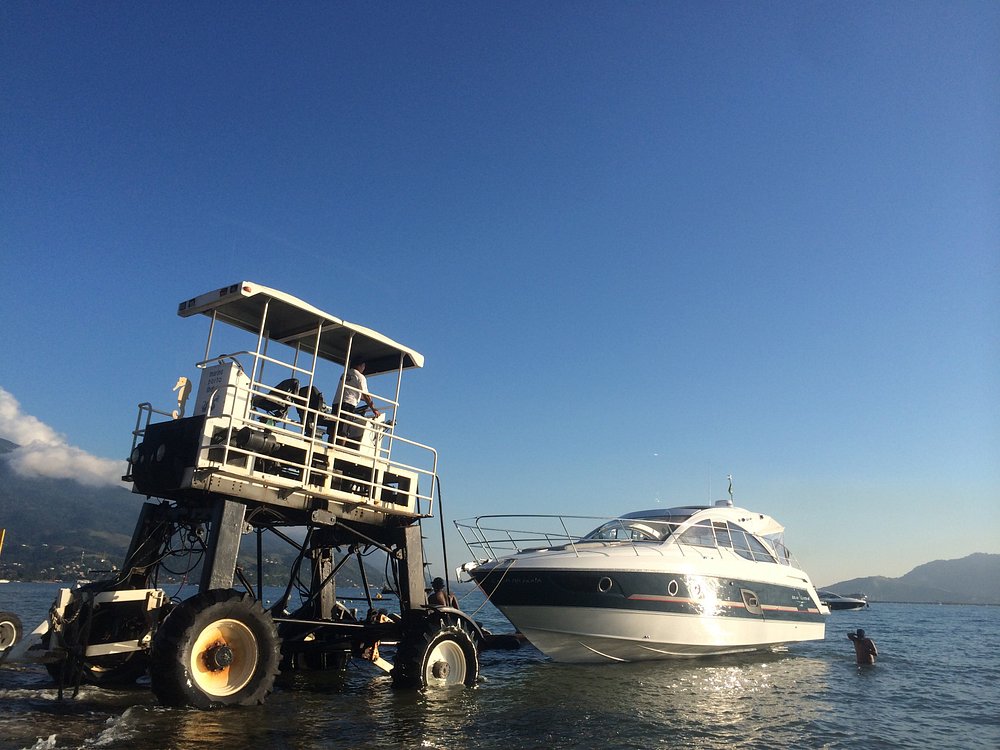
pixel 839 606
pixel 592 616
pixel 626 636
pixel 844 603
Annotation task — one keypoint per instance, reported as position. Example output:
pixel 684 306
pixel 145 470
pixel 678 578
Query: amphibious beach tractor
pixel 268 454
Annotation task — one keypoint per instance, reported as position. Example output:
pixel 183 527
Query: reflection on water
pixel 524 702
pixel 717 702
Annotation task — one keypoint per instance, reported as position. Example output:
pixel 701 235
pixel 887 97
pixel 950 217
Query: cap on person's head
pixel 438 583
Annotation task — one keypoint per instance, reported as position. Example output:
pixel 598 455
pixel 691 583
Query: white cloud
pixel 23 428
pixel 43 452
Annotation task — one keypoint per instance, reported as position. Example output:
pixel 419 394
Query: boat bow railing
pixel 493 536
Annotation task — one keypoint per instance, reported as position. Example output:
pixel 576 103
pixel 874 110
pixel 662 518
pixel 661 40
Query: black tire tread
pixel 407 670
pixel 170 680
pixel 15 621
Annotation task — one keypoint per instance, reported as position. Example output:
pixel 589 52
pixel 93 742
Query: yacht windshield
pixel 626 530
pixel 636 529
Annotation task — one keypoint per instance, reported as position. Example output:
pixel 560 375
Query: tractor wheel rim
pixel 445 665
pixel 236 640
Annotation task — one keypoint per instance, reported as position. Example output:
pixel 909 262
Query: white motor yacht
pixel 655 584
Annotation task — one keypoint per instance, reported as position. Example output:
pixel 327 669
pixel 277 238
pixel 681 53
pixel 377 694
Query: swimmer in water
pixel 864 647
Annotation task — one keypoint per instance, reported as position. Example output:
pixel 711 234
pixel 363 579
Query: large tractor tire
pixel 438 651
pixel 10 630
pixel 218 648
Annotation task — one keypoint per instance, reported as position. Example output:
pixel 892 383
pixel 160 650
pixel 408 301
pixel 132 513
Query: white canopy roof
pixel 755 523
pixel 294 322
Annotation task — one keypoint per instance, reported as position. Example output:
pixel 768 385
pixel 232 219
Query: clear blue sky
pixel 642 245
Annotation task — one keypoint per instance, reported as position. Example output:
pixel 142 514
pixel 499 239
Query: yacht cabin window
pixel 700 535
pixel 747 545
pixel 722 536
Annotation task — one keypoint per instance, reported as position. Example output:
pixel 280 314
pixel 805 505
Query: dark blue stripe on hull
pixel 647 592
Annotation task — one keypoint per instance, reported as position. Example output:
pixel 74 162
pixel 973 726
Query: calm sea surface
pixel 936 685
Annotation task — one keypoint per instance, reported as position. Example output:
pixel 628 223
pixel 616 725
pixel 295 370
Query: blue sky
pixel 642 245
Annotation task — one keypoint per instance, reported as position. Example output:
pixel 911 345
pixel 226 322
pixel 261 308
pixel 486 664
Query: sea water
pixel 936 685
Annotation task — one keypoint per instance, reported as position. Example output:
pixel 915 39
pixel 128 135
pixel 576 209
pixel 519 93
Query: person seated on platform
pixel 352 390
pixel 441 598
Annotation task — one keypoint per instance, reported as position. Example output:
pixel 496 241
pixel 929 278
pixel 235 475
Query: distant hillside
pixel 41 510
pixel 970 580
pixel 62 530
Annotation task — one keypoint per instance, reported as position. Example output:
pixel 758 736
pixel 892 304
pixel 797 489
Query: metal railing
pixel 314 430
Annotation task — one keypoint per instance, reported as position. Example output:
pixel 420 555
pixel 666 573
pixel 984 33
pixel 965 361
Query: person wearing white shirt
pixel 353 389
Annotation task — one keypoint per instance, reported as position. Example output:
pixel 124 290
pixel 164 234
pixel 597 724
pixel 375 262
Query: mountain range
pixel 974 579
